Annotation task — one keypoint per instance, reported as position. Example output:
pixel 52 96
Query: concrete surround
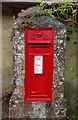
pixel 53 1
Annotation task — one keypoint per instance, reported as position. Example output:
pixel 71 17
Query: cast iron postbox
pixel 39 50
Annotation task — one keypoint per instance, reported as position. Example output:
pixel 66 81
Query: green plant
pixel 72 118
pixel 65 12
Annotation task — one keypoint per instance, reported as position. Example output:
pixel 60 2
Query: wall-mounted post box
pixel 39 50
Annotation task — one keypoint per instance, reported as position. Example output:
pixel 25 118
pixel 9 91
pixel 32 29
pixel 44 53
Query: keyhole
pixel 34 78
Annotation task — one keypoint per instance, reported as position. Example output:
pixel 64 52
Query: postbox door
pixel 39 75
pixel 39 82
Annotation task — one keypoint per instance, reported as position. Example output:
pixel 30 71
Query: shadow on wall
pixel 70 95
pixel 70 75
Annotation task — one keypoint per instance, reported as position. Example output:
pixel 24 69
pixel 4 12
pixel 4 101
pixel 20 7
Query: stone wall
pixel 18 108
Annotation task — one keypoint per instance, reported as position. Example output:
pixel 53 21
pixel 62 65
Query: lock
pixel 33 92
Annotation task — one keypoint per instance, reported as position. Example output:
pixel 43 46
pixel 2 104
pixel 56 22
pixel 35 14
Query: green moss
pixel 72 118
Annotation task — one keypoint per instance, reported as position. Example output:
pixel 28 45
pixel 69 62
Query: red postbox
pixel 39 50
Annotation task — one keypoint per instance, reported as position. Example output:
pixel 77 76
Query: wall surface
pixel 70 65
pixel 7 64
pixel 70 73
